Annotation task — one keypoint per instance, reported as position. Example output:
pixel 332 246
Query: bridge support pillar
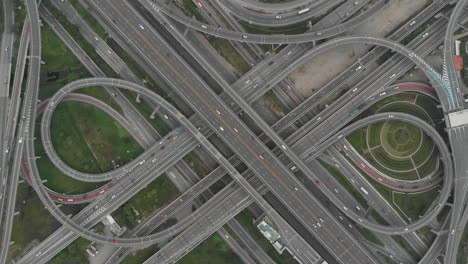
pixel 154 112
pixel 138 98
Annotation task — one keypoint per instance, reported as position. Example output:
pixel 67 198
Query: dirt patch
pixel 314 74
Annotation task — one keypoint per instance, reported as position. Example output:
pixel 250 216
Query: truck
pixel 302 11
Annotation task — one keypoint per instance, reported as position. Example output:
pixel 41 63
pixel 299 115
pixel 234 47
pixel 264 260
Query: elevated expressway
pixel 298 161
pixel 385 116
pixel 280 19
pixel 26 125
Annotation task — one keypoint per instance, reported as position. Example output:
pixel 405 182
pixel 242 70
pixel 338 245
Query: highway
pixel 285 18
pixel 6 47
pixel 26 126
pixel 295 159
pixel 135 37
pixel 271 170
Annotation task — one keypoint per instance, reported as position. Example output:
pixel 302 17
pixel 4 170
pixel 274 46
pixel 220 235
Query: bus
pixel 302 11
pixel 364 191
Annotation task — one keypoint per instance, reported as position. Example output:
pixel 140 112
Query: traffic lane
pixel 176 69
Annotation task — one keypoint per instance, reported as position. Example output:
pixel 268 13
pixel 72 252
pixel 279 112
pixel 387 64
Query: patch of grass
pixel 358 140
pixel 75 253
pixel 141 255
pixel 192 10
pixel 101 94
pixel 157 123
pixel 74 32
pixel 56 180
pixel 32 223
pixel 426 234
pixel 273 98
pixel 289 30
pixel 197 165
pixel 225 49
pixel 212 250
pixel 414 205
pixel 369 235
pixel 55 54
pixel 341 179
pixel 95 136
pixel 405 245
pixel 246 220
pixel 157 194
pixel 92 22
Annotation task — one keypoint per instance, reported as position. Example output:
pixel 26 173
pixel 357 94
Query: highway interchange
pixel 269 168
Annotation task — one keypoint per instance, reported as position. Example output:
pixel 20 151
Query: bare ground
pixel 315 73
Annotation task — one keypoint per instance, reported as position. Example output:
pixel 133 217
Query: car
pixel 203 26
pixel 6 49
pixel 357 2
pixel 319 33
pixel 244 36
pixel 20 140
pixel 425 34
pixel 217 111
pixel 358 68
pixel 318 118
pixel 321 220
pixel 141 26
pixel 260 156
pixel 165 216
pixel 113 196
pixel 392 76
pixel 162 147
pixel 314 225
pixel 296 189
pixel 319 225
pixel 221 128
pixel 453 232
pixel 113 94
pixel 289 53
pixel 114 241
pixel 283 146
pixel 412 22
pixel 293 168
pixel 354 90
pixel 382 94
pixel 340 136
pixel 235 129
pixel 318 183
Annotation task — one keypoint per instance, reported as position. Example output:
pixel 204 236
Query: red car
pixel 318 183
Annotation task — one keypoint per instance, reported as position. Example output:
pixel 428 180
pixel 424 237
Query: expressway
pixel 308 36
pixel 213 126
pixel 26 126
pixel 280 19
pixel 298 161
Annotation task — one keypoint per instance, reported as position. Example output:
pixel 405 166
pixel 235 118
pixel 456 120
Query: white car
pixel 141 26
